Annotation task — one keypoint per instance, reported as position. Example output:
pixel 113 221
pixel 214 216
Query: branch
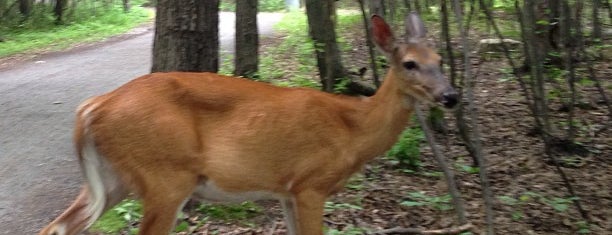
pixel 355 87
pixel 370 45
pixel 450 231
pixel 360 88
pixel 448 174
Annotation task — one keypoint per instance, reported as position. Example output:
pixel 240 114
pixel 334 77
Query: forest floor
pixel 529 195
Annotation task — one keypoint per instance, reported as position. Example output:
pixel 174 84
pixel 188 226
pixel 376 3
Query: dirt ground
pixel 529 195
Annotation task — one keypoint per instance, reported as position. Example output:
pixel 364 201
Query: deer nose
pixel 450 99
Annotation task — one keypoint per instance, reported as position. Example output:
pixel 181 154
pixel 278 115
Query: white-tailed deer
pixel 167 137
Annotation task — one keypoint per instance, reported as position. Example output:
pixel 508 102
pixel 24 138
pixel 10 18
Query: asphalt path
pixel 39 174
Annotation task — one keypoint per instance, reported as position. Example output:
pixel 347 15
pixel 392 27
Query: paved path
pixel 39 175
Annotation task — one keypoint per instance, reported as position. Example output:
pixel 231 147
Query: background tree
pixel 25 7
pixel 186 36
pixel 247 38
pixel 126 5
pixel 58 10
pixel 377 7
pixel 322 30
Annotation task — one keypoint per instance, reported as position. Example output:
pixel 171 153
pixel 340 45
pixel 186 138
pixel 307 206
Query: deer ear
pixel 383 37
pixel 415 28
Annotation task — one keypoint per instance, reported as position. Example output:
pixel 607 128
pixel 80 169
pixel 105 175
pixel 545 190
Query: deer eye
pixel 410 65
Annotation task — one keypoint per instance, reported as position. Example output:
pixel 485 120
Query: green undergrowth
pixel 119 218
pixel 407 151
pixel 124 217
pixel 47 36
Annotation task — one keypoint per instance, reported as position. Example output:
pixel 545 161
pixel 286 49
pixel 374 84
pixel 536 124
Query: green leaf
pixel 524 198
pixel 517 215
pixel 507 200
pixel 411 203
pixel 183 226
pixel 560 207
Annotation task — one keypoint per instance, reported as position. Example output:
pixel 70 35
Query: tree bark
pixel 247 38
pixel 126 5
pixel 371 49
pixel 596 21
pixel 186 36
pixel 59 11
pixel 376 7
pixel 323 33
pixel 25 8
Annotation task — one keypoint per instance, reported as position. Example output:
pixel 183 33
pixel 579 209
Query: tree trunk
pixel 376 7
pixel 371 48
pixel 322 31
pixel 126 5
pixel 59 11
pixel 247 38
pixel 186 36
pixel 25 7
pixel 596 22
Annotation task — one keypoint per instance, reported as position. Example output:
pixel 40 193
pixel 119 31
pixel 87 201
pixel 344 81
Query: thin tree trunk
pixel 407 6
pixel 537 76
pixel 59 11
pixel 448 174
pixel 371 50
pixel 247 39
pixel 417 6
pixel 596 21
pixel 450 58
pixel 186 36
pixel 475 137
pixel 376 7
pixel 126 5
pixel 25 8
pixel 323 33
pixel 566 37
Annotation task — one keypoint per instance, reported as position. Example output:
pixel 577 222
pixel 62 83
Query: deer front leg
pixel 309 206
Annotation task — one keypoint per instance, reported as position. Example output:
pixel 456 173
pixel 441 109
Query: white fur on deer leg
pixel 209 191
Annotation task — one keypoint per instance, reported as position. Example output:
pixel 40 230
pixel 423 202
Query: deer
pixel 174 136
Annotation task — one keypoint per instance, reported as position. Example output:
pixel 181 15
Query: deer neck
pixel 386 116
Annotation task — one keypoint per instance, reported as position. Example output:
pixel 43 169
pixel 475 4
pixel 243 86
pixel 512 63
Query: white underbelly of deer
pixel 210 192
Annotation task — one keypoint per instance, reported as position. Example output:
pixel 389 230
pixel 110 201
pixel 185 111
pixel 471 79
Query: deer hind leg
pixel 162 200
pixel 102 191
pixel 309 212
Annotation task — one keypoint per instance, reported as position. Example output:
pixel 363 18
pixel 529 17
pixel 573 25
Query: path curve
pixel 39 175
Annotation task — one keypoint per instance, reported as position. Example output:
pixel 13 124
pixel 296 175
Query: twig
pixel 370 45
pixel 400 230
pixel 333 222
pixel 448 174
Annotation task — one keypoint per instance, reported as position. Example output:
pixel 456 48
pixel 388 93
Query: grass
pixel 119 217
pixel 407 150
pixel 231 212
pixel 123 216
pixel 57 37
